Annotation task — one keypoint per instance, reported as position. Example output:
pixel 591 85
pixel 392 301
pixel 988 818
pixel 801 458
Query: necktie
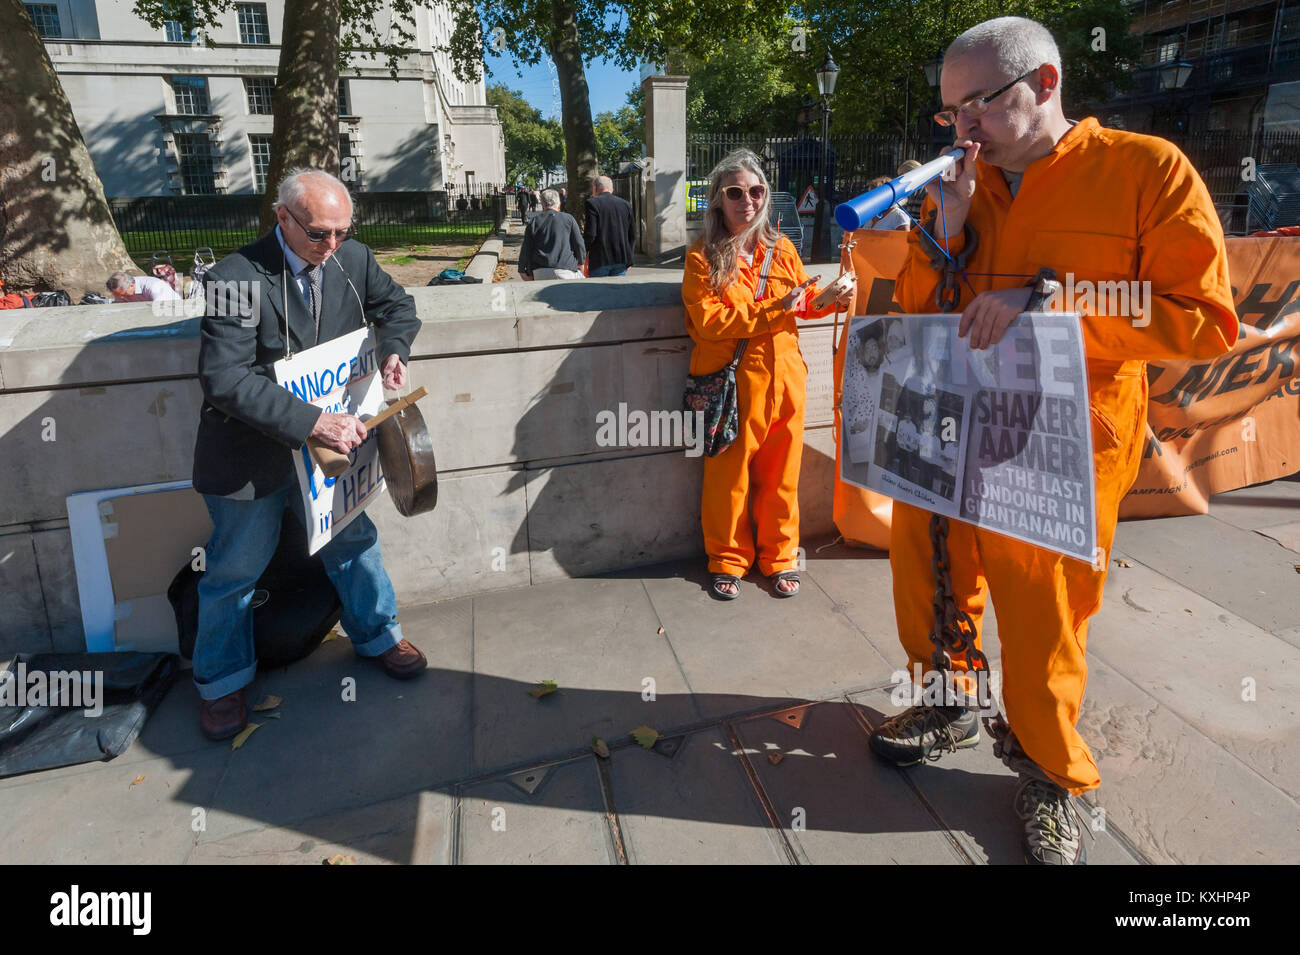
pixel 314 281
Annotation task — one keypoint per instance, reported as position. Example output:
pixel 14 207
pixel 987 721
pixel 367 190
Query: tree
pixel 620 136
pixel 574 32
pixel 56 231
pixel 533 144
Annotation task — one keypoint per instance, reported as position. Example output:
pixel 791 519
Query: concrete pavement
pixel 762 706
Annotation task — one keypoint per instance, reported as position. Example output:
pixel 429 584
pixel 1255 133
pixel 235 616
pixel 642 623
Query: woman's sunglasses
pixel 736 193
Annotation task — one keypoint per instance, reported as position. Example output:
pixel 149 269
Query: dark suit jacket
pixel 610 233
pixel 250 426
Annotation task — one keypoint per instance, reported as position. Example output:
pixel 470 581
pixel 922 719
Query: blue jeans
pixel 244 539
pixel 601 271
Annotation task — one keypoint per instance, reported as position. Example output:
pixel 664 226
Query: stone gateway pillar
pixel 665 192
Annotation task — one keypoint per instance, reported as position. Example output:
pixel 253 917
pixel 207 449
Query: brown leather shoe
pixel 224 717
pixel 402 661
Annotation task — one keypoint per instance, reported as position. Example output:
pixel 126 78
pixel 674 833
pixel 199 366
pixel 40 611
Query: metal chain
pixel 953 633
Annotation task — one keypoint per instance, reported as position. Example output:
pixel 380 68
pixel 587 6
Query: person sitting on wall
pixel 552 247
pixel 139 288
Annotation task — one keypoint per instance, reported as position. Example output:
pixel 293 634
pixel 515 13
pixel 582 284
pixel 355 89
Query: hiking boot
pixel 1053 825
pixel 924 733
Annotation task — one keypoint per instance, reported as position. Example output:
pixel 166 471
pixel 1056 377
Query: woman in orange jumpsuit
pixel 760 471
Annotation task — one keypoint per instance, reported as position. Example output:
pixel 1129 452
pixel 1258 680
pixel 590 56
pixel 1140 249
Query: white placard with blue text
pixel 339 376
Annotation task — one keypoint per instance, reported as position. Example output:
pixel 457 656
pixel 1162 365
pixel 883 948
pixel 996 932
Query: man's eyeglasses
pixel 976 106
pixel 320 235
pixel 736 193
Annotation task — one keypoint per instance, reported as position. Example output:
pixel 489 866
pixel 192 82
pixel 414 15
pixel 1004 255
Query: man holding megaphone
pixel 1036 191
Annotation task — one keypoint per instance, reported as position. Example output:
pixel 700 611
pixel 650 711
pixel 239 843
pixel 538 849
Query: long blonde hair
pixel 721 248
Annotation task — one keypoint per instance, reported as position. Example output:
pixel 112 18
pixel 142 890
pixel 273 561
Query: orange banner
pixel 1212 425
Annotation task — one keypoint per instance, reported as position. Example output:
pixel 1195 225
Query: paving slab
pixel 104 816
pixel 759 650
pixel 326 753
pixel 1288 535
pixel 411 829
pixel 1175 794
pixel 859 583
pixel 693 807
pixel 973 793
pixel 598 639
pixel 837 805
pixel 1250 508
pixel 561 822
pixel 1258 583
pixel 1230 680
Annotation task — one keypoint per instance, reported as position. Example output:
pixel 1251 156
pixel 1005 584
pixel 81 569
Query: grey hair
pixel 119 281
pixel 290 191
pixel 721 248
pixel 550 199
pixel 603 183
pixel 1019 44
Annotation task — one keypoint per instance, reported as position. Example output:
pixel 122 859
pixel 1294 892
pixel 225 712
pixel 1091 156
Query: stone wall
pixel 516 373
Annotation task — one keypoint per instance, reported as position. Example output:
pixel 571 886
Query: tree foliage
pixel 533 144
pixel 620 136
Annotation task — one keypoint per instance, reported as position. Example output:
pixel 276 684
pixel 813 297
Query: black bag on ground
pixel 40 735
pixel 94 298
pixel 294 605
pixel 51 299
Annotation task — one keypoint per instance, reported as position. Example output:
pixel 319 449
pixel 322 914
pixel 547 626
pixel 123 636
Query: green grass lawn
pixel 180 244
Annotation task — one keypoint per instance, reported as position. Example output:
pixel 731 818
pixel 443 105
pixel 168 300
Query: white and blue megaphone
pixel 858 212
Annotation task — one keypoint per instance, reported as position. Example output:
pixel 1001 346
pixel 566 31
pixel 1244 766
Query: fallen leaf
pixel 246 732
pixel 332 635
pixel 1186 610
pixel 340 859
pixel 544 688
pixel 775 758
pixel 273 716
pixel 661 629
pixel 1122 562
pixel 268 703
pixel 599 747
pixel 645 736
pixel 138 779
pixel 1297 568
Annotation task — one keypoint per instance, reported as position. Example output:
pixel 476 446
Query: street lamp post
pixel 933 73
pixel 1173 77
pixel 827 74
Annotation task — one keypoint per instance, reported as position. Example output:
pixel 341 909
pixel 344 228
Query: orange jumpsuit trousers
pixel 1104 206
pixel 761 468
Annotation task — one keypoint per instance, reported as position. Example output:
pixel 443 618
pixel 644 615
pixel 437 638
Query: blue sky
pixel 607 85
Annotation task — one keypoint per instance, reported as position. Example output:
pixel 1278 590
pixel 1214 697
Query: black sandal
pixel 785 575
pixel 725 579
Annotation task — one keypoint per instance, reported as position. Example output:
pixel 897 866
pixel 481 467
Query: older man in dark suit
pixel 608 230
pixel 307 282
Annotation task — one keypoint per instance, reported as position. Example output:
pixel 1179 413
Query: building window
pixel 259 147
pixel 252 23
pixel 176 32
pixel 191 93
pixel 45 17
pixel 345 102
pixel 194 154
pixel 1168 51
pixel 258 90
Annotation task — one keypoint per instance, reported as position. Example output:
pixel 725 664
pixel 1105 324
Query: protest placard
pixel 338 376
pixel 1000 438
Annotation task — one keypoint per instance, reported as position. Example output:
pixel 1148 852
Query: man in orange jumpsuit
pixel 762 465
pixel 1105 205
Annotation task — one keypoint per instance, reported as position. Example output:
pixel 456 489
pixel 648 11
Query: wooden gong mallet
pixel 332 462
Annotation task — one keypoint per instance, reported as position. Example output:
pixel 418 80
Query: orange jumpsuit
pixel 762 466
pixel 1105 205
